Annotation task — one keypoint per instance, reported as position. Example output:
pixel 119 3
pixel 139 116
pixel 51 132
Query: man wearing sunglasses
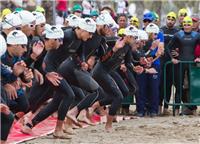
pixel 185 41
pixel 169 30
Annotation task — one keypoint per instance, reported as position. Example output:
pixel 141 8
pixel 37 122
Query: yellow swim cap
pixel 5 12
pixel 182 11
pixel 135 21
pixel 187 20
pixel 40 9
pixel 121 32
pixel 172 15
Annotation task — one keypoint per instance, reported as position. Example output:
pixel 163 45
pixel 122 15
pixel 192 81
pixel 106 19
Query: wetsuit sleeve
pixel 82 52
pixel 129 59
pixel 171 45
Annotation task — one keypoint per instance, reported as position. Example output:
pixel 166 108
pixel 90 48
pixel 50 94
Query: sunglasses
pixel 146 21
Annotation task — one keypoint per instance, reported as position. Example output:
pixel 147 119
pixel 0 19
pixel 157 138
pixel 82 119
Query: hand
pixel 151 71
pixel 155 44
pixel 29 84
pixel 123 67
pixel 54 78
pixel 19 68
pixel 118 45
pixel 84 66
pixel 37 49
pixel 175 53
pixel 38 76
pixel 143 61
pixel 138 69
pixel 28 74
pixel 175 61
pixel 197 60
pixel 11 91
pixel 4 109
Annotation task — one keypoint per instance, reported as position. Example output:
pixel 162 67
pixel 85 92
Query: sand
pixel 158 130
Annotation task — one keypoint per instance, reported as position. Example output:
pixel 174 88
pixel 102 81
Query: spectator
pixel 196 22
pixel 77 10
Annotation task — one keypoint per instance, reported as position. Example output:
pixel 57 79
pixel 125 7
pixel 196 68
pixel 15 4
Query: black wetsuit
pixel 101 73
pixel 168 35
pixel 186 43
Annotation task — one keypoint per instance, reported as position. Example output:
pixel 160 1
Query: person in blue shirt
pixel 148 97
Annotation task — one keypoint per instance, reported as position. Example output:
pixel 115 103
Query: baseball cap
pixel 73 20
pixel 53 32
pixel 135 20
pixel 17 37
pixel 152 28
pixel 26 17
pixel 11 20
pixel 87 24
pixel 131 31
pixel 3 46
pixel 105 19
pixel 39 17
pixel 195 17
pixel 142 35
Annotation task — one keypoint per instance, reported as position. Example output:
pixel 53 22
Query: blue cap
pixel 148 16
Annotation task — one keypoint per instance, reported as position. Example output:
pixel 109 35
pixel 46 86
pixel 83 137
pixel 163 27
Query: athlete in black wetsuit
pixel 169 30
pixel 64 95
pixel 109 62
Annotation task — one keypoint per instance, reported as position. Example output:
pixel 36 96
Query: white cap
pixel 3 45
pixel 73 20
pixel 26 17
pixel 11 20
pixel 87 24
pixel 142 35
pixel 131 31
pixel 16 37
pixel 105 19
pixel 40 18
pixel 53 32
pixel 152 28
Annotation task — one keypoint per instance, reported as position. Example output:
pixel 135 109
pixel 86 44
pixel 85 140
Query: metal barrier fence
pixel 193 93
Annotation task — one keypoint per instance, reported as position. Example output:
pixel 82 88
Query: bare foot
pixel 72 116
pixel 108 128
pixel 84 119
pixel 67 128
pixel 61 135
pixel 26 129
